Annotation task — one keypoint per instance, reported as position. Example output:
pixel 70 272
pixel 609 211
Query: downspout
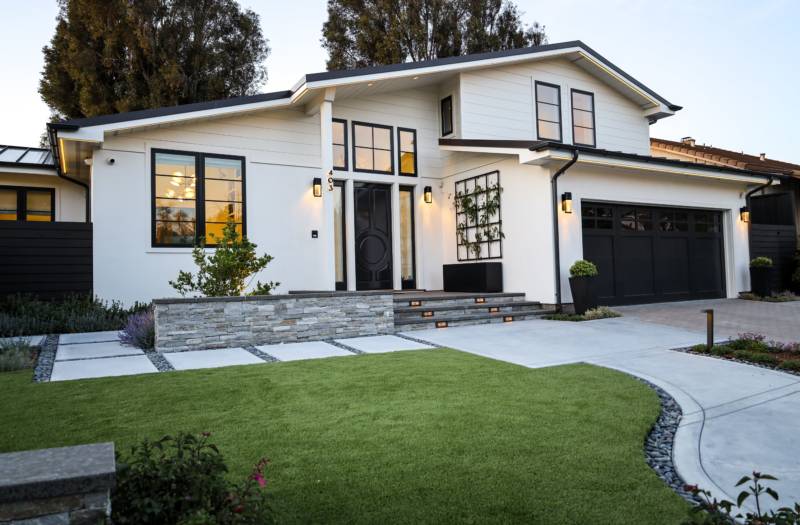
pixel 557 244
pixel 52 137
pixel 756 189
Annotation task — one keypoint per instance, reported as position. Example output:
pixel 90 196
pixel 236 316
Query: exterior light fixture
pixel 317 187
pixel 428 194
pixel 566 202
pixel 744 213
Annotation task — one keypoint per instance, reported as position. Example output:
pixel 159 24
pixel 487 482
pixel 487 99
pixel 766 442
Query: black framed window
pixel 339 144
pixel 373 150
pixel 408 268
pixel 27 204
pixel 340 234
pixel 636 219
pixel 596 217
pixel 548 111
pixel 583 130
pixel 407 151
pixel 446 111
pixel 194 196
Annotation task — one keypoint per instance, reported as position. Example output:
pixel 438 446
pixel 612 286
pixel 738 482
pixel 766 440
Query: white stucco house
pixel 351 181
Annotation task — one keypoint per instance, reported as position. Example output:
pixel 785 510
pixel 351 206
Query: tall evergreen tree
pixel 110 56
pixel 361 33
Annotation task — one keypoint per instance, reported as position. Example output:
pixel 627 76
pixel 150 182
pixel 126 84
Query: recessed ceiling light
pixel 370 84
pixel 415 78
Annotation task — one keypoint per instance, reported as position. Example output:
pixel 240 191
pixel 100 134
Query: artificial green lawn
pixel 424 436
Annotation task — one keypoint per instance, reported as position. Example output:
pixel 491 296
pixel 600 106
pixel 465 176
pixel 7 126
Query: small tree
pixel 228 271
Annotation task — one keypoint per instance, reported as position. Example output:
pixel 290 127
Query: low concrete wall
pixel 69 485
pixel 221 322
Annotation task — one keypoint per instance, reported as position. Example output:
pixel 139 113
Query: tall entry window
pixel 194 196
pixel 339 144
pixel 407 147
pixel 27 204
pixel 339 235
pixel 407 263
pixel 372 148
pixel 548 111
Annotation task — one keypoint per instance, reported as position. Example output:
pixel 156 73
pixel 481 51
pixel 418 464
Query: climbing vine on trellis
pixel 479 228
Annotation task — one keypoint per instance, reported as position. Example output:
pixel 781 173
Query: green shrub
pixel 700 349
pixel 755 357
pixel 182 480
pixel 791 364
pixel 751 342
pixel 28 315
pixel 582 268
pixel 601 312
pixel 721 350
pixel 16 354
pixel 761 262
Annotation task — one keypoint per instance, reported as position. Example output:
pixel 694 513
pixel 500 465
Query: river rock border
pixel 46 359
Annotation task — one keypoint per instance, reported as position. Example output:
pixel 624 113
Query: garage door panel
pixel 651 254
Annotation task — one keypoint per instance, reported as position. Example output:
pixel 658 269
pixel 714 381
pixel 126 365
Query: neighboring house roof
pixel 539 145
pixel 709 155
pixel 309 80
pixel 22 157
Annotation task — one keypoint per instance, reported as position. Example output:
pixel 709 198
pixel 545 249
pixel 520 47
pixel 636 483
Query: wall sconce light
pixel 428 194
pixel 566 202
pixel 744 214
pixel 317 187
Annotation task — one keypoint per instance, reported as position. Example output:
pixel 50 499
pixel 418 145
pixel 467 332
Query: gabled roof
pixel 709 155
pixel 22 157
pixel 329 78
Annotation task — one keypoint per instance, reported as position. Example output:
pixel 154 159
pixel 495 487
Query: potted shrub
pixel 761 276
pixel 582 277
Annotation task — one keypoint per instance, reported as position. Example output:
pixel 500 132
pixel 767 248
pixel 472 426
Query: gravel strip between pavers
pixel 417 340
pixel 159 361
pixel 658 446
pixel 261 355
pixel 47 358
pixel 344 346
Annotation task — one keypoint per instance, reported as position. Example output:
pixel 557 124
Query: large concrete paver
pixel 88 337
pixel 211 358
pixel 91 368
pixel 94 350
pixel 305 350
pixel 377 344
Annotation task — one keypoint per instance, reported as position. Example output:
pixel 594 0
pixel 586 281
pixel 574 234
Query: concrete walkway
pixel 737 418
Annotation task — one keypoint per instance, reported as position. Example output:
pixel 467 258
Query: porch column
pixel 396 259
pixel 328 251
pixel 420 219
pixel 350 234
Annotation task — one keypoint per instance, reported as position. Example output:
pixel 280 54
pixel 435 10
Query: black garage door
pixel 647 254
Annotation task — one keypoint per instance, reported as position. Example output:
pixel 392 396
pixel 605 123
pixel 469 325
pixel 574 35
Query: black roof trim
pixel 538 145
pixel 406 66
pixel 170 110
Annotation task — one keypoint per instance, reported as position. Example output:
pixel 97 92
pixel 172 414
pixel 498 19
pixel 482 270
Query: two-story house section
pixel 377 178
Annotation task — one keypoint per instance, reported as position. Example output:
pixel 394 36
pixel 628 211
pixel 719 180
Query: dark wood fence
pixel 779 243
pixel 48 259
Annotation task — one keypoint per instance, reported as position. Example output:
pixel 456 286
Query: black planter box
pixel 584 293
pixel 761 280
pixel 486 277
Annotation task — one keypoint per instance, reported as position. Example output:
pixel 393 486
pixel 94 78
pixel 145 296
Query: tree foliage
pixel 110 56
pixel 362 33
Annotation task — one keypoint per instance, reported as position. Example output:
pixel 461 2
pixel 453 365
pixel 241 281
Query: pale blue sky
pixel 732 65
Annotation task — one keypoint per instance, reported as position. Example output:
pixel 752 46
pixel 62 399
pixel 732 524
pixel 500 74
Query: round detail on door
pixel 373 249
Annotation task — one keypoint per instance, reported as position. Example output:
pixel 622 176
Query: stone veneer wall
pixel 221 322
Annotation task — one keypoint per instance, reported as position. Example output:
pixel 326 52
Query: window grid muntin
pixel 493 248
pixel 557 107
pixel 373 148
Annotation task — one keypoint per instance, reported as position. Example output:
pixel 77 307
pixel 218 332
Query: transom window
pixel 372 148
pixel 636 219
pixel 339 144
pixel 446 112
pixel 407 151
pixel 673 221
pixel 548 111
pixel 706 222
pixel 194 196
pixel 583 133
pixel 597 217
pixel 27 204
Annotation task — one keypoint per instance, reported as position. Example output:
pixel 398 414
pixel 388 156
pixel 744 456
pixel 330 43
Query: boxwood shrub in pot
pixel 761 276
pixel 583 275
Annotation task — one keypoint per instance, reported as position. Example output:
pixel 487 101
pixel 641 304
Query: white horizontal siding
pixel 499 103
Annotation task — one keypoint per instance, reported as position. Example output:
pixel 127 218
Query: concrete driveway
pixel 737 418
pixel 777 321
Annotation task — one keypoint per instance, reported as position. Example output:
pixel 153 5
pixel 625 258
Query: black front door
pixel 648 254
pixel 373 236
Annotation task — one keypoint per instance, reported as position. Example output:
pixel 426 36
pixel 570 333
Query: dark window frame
pixel 560 116
pixel 200 195
pixel 342 285
pixel 373 148
pixel 22 201
pixel 346 153
pixel 410 284
pixel 400 153
pixel 572 114
pixel 449 100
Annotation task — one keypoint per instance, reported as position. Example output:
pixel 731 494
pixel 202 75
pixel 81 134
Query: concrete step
pixel 454 310
pixel 473 319
pixel 432 299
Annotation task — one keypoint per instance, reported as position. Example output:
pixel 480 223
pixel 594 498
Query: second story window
pixel 372 148
pixel 407 147
pixel 548 111
pixel 447 115
pixel 339 144
pixel 583 118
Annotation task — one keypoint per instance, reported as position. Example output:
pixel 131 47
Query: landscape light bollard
pixel 709 328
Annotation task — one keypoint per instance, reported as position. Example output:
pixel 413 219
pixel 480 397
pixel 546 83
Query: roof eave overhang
pixel 27 169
